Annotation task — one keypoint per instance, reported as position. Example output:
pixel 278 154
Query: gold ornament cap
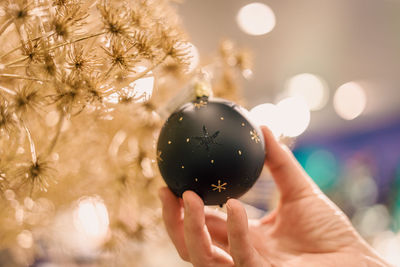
pixel 202 88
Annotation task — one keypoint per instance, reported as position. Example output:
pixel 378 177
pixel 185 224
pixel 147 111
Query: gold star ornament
pixel 220 187
pixel 254 136
pixel 159 158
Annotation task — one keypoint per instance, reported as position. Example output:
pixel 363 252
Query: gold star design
pixel 159 158
pixel 254 136
pixel 200 104
pixel 220 187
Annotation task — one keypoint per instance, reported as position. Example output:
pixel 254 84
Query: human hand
pixel 306 229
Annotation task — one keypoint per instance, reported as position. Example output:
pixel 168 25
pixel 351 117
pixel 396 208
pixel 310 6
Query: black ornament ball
pixel 211 147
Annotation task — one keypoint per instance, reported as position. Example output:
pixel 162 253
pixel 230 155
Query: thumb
pixel 293 182
pixel 241 248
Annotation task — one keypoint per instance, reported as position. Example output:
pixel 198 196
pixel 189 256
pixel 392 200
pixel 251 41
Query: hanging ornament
pixel 211 147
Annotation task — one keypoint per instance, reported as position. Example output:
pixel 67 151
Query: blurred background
pixel 326 80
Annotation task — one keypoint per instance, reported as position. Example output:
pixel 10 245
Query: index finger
pixel 173 219
pixel 292 181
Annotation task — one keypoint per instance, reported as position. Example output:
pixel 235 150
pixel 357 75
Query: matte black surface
pixel 211 148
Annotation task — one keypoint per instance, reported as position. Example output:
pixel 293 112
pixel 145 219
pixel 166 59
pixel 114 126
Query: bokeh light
pixel 143 87
pixel 267 114
pixel 256 19
pixel 25 239
pixel 371 220
pixel 349 100
pixel 91 219
pixel 294 116
pixel 387 245
pixel 362 190
pixel 311 87
pixel 321 165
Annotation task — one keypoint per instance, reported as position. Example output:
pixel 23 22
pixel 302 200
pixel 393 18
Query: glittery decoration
pixel 220 187
pixel 212 161
pixel 243 124
pixel 169 142
pixel 239 152
pixel 254 136
pixel 181 118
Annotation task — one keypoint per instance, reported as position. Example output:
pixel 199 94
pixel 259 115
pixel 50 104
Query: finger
pixel 173 219
pixel 289 176
pixel 216 225
pixel 241 248
pixel 197 238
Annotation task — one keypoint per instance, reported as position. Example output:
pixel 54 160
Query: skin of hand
pixel 306 229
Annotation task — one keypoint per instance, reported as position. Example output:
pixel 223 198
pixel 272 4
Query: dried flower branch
pixel 18 10
pixel 69 96
pixel 57 134
pixel 116 20
pixel 144 44
pixel 36 174
pixel 68 19
pixel 27 99
pixel 5 25
pixel 31 143
pixel 80 62
pixel 8 122
pixel 119 56
pixel 62 61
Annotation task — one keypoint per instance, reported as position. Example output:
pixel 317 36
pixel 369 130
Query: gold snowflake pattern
pixel 220 187
pixel 200 104
pixel 254 136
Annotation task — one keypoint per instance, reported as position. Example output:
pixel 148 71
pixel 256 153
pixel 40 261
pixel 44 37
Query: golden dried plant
pixel 61 135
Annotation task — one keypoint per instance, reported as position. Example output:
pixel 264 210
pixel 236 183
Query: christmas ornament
pixel 211 147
